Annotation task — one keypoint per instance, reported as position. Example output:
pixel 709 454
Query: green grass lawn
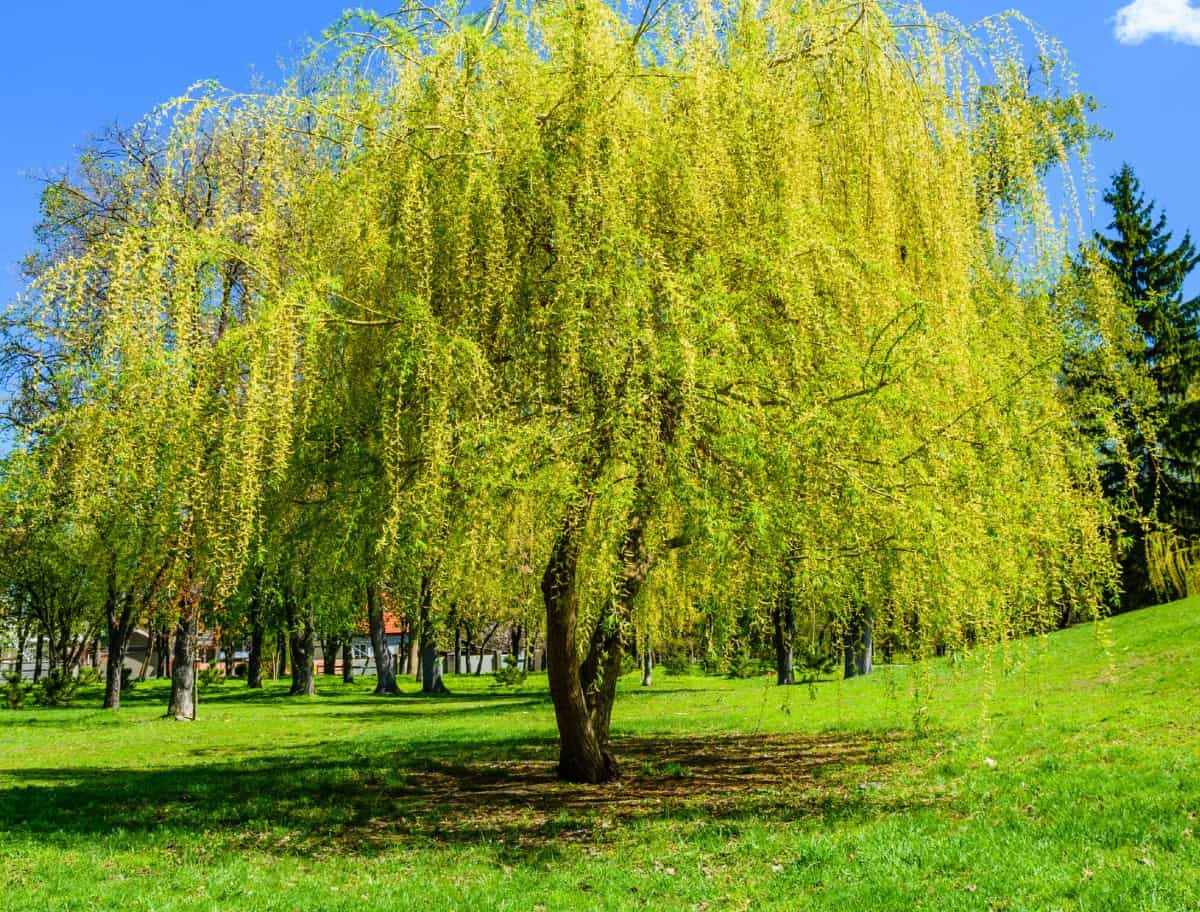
pixel 1061 774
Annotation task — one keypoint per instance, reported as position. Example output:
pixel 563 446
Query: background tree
pixel 1161 471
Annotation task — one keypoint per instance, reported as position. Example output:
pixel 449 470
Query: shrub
pixel 742 665
pixel 16 689
pixel 212 676
pixel 676 663
pixel 511 674
pixel 87 676
pixel 812 665
pixel 56 689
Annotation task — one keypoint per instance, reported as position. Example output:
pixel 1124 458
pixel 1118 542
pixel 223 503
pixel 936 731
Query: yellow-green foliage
pixel 739 270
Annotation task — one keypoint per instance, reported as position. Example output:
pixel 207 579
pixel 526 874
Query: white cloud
pixel 1142 19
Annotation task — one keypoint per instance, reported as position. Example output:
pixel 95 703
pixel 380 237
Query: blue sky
pixel 70 68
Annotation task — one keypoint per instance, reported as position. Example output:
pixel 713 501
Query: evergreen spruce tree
pixel 1164 462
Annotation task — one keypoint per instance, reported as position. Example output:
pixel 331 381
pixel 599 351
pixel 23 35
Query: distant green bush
pixel 511 674
pixel 212 676
pixel 56 689
pixel 16 690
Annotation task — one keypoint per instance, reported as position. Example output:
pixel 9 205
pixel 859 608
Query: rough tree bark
pixel 183 675
pixel 385 678
pixel 303 641
pixel 431 666
pixel 582 757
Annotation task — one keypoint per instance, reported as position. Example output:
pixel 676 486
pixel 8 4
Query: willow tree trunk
pixel 860 644
pixel 347 663
pixel 784 621
pixel 254 660
pixel 647 665
pixel 431 664
pixel 114 664
pixel 303 642
pixel 183 673
pixel 582 756
pixel 385 677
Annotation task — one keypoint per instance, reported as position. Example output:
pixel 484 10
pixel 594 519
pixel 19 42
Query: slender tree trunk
pixel 37 660
pixel 19 660
pixel 431 666
pixel 144 670
pixel 647 665
pixel 254 660
pixel 385 678
pixel 162 658
pixel 784 622
pixel 347 663
pixel 282 667
pixel 183 674
pixel 458 656
pixel 303 643
pixel 414 656
pixel 495 652
pixel 860 644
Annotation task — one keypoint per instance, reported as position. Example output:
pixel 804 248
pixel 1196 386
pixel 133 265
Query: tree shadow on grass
pixel 348 798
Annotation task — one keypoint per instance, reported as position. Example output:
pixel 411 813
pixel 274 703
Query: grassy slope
pixel 1076 785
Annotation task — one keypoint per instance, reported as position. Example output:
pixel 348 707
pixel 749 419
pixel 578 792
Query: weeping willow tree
pixel 713 299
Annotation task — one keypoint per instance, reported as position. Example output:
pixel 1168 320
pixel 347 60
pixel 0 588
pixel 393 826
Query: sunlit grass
pixel 1062 773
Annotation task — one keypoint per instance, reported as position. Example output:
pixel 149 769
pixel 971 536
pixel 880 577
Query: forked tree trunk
pixel 860 644
pixel 584 692
pixel 347 663
pixel 183 675
pixel 581 755
pixel 385 678
pixel 303 641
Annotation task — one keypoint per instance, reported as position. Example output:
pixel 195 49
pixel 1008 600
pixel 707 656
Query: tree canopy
pixel 636 315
